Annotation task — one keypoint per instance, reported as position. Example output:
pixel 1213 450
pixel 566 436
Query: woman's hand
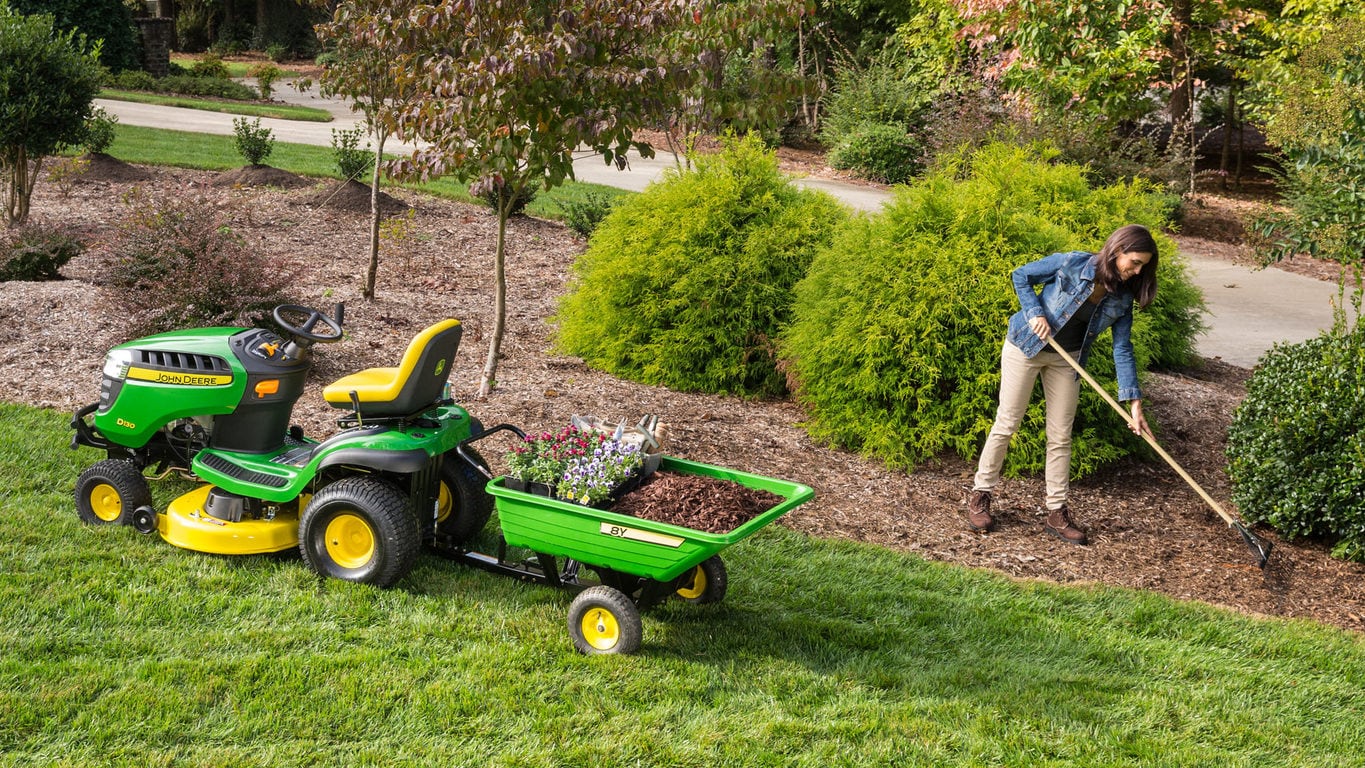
pixel 1139 424
pixel 1040 327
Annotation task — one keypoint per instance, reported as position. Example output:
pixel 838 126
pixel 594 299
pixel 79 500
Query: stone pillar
pixel 158 36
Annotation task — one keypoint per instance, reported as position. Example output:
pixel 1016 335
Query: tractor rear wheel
pixel 706 583
pixel 109 491
pixel 603 620
pixel 463 506
pixel 360 529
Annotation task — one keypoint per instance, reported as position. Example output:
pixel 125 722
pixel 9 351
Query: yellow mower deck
pixel 186 525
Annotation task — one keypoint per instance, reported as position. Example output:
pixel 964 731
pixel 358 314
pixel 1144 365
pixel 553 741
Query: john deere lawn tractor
pixel 216 404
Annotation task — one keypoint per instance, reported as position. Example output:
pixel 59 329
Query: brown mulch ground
pixel 710 504
pixel 1148 529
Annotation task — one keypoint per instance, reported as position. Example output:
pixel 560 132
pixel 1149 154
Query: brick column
pixel 158 35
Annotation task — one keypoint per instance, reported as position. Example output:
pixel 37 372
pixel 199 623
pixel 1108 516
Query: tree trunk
pixel 373 272
pixel 21 181
pixel 1229 111
pixel 490 365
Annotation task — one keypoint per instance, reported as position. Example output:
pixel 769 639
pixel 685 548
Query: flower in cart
pixel 544 457
pixel 590 478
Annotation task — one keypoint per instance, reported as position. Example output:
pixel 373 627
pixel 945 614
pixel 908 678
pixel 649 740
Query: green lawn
pixel 117 649
pixel 248 108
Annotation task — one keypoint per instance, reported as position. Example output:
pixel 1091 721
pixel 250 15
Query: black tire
pixel 704 584
pixel 602 620
pixel 359 529
pixel 463 507
pixel 108 492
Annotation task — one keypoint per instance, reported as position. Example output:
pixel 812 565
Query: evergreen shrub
pixel 895 343
pixel 879 152
pixel 1296 445
pixel 353 161
pixel 35 252
pixel 585 214
pixel 100 131
pixel 253 142
pixel 688 284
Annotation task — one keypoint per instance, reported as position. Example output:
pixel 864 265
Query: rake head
pixel 1258 545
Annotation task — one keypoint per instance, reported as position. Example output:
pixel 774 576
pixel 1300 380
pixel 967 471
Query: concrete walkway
pixel 1249 310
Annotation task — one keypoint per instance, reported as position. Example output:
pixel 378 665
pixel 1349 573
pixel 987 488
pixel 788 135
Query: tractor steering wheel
pixel 304 330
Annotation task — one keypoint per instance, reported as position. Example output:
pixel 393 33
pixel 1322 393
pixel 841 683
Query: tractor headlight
pixel 117 363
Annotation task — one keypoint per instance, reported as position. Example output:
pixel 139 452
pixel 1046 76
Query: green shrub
pixel 109 21
pixel 885 92
pixel 352 161
pixel 879 152
pixel 688 284
pixel 205 86
pixel 266 75
pixel 491 195
pixel 35 252
pixel 582 216
pixel 895 343
pixel 100 130
pixel 210 65
pixel 176 263
pixel 133 80
pixel 1296 445
pixel 253 142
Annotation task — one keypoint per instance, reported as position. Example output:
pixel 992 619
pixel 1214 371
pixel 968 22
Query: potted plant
pixel 581 465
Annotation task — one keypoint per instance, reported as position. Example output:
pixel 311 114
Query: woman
pixel 1082 295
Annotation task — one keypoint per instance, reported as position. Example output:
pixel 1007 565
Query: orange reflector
pixel 267 387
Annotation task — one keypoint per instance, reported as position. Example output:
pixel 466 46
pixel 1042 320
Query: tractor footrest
pixel 222 465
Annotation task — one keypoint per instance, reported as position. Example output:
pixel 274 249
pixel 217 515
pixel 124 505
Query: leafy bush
pixel 266 75
pixel 133 80
pixel 181 84
pixel 894 348
pixel 492 195
pixel 582 216
pixel 108 21
pixel 1296 446
pixel 253 142
pixel 885 92
pixel 99 131
pixel 176 263
pixel 688 284
pixel 210 65
pixel 34 252
pixel 879 152
pixel 352 161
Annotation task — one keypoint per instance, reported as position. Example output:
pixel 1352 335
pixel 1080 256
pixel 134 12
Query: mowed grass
pixel 117 649
pixel 248 108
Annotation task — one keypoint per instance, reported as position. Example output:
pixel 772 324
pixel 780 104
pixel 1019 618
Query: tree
pixel 48 82
pixel 362 73
pixel 108 22
pixel 506 92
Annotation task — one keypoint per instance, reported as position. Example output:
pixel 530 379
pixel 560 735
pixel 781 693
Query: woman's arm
pixel 1028 277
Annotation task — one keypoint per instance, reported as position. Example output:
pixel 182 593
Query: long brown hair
pixel 1133 237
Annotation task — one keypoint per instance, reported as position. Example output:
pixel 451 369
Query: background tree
pixel 48 82
pixel 509 91
pixel 108 22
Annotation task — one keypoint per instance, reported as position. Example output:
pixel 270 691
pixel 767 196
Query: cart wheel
pixel 359 529
pixel 109 491
pixel 706 583
pixel 603 620
pixel 463 507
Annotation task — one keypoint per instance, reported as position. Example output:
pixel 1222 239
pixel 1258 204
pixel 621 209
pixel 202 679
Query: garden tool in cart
pixel 1260 547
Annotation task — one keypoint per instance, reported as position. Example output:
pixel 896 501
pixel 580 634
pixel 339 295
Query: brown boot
pixel 979 511
pixel 1059 524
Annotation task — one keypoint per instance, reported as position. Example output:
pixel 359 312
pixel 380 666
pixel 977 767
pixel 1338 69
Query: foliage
pixel 36 252
pixel 879 152
pixel 352 161
pixel 176 263
pixel 100 130
pixel 210 65
pixel 582 466
pixel 253 142
pixel 48 81
pixel 1320 126
pixel 1296 445
pixel 888 91
pixel 895 341
pixel 266 73
pixel 106 21
pixel 583 215
pixel 501 197
pixel 593 479
pixel 186 85
pixel 688 284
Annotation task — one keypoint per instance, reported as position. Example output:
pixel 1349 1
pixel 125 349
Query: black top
pixel 1072 335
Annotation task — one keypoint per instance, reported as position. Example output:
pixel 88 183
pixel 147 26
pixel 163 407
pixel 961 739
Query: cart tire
pixel 602 620
pixel 109 491
pixel 360 529
pixel 463 506
pixel 704 584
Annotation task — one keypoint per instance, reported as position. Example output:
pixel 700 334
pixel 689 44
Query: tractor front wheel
pixel 603 620
pixel 360 529
pixel 109 491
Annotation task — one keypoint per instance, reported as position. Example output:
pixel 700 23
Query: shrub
pixel 109 21
pixel 99 131
pixel 885 92
pixel 133 80
pixel 894 349
pixel 210 65
pixel 1296 445
pixel 266 75
pixel 277 53
pixel 879 152
pixel 35 252
pixel 253 142
pixel 351 160
pixel 688 284
pixel 205 86
pixel 582 216
pixel 491 195
pixel 176 263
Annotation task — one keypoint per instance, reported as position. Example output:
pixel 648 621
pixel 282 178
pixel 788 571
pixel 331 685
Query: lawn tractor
pixel 216 404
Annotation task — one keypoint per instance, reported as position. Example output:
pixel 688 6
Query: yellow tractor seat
pixel 407 390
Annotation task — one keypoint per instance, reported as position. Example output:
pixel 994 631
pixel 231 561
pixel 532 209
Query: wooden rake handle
pixel 1227 518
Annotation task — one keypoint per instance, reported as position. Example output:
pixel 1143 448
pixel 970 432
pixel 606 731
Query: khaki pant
pixel 1061 391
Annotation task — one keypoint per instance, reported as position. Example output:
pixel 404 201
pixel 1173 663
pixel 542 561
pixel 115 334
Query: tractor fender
pixel 402 462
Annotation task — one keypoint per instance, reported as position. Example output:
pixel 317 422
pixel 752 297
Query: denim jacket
pixel 1067 280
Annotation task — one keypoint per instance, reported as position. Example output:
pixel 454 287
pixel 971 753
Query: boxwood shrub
pixel 688 284
pixel 896 335
pixel 1296 446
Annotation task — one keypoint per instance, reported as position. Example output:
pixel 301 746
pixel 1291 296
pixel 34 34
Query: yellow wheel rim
pixel 600 629
pixel 105 502
pixel 350 541
pixel 444 504
pixel 698 587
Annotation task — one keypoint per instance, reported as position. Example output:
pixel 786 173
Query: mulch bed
pixel 709 504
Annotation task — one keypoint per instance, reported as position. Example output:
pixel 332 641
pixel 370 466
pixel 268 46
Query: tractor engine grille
pixel 182 361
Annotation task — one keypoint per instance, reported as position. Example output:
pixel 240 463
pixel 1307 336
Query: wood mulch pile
pixel 1148 530
pixel 709 504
